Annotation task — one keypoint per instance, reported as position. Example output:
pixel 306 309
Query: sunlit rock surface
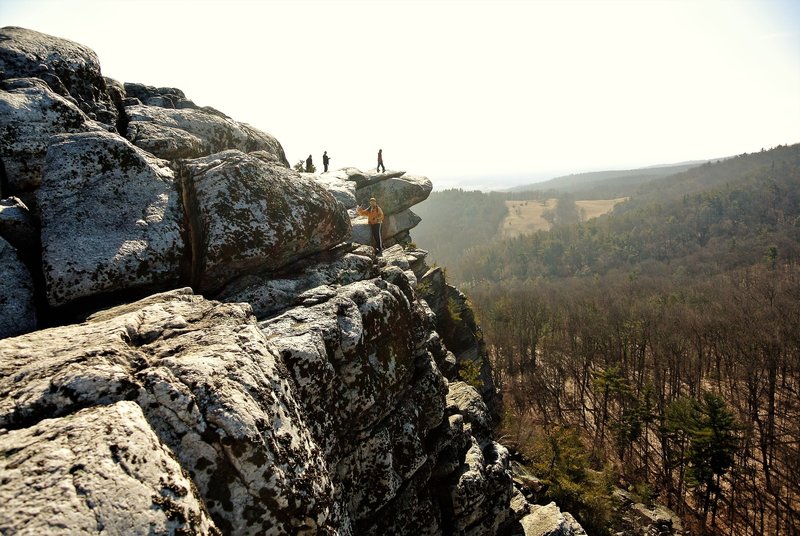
pixel 111 218
pixel 99 470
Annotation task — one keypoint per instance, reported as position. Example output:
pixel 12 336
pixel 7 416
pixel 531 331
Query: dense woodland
pixel 656 348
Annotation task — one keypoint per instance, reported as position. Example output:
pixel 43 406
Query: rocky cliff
pixel 195 339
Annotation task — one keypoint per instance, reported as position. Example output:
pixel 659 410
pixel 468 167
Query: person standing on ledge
pixel 325 160
pixel 309 164
pixel 374 216
pixel 380 161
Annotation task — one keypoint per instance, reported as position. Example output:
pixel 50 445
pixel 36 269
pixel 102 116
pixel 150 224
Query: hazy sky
pixel 469 93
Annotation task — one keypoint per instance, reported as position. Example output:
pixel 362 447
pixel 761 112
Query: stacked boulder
pixel 196 339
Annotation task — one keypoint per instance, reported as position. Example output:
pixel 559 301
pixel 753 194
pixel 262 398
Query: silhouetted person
pixel 380 161
pixel 309 164
pixel 374 216
pixel 325 160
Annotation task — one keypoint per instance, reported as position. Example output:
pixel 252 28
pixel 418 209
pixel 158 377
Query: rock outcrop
pixel 195 338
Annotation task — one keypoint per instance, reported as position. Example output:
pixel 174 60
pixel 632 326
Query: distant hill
pixel 607 184
pixel 457 224
pixel 707 220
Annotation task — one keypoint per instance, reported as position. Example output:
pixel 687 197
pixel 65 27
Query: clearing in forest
pixel 528 216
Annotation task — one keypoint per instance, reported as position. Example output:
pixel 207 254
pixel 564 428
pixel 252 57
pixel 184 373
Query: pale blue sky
pixel 470 93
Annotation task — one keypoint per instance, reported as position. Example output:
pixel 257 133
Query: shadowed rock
pixel 17 311
pixel 17 225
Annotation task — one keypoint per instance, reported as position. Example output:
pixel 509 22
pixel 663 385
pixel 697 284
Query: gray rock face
pixel 30 113
pixel 165 97
pixel 211 389
pixel 482 492
pixel 173 133
pixel 111 218
pixel 252 214
pixel 364 178
pixel 329 418
pixel 98 470
pixel 461 333
pixel 354 359
pixel 337 184
pixel 17 311
pixel 69 69
pixel 464 399
pixel 396 194
pixel 549 520
pixel 311 281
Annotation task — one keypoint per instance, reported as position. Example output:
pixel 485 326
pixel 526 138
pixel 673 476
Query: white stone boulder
pixel 250 214
pixel 394 195
pixel 549 520
pixel 70 69
pixel 30 113
pixel 111 219
pixel 211 389
pixel 101 470
pixel 337 184
pixel 174 133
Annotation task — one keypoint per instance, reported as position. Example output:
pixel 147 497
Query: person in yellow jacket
pixel 374 216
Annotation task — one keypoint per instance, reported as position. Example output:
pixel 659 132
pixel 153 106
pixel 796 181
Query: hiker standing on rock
pixel 325 160
pixel 309 164
pixel 380 161
pixel 374 216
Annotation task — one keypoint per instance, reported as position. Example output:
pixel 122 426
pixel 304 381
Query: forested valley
pixel 656 348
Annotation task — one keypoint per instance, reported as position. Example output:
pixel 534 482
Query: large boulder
pixel 322 344
pixel 363 178
pixel 111 219
pixel 210 387
pixel 30 113
pixel 464 399
pixel 250 214
pixel 17 310
pixel 549 520
pixel 395 194
pixel 174 133
pixel 69 69
pixel 101 470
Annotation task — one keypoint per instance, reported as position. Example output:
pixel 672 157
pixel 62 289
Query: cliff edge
pixel 196 339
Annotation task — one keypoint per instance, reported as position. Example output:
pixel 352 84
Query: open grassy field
pixel 527 216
